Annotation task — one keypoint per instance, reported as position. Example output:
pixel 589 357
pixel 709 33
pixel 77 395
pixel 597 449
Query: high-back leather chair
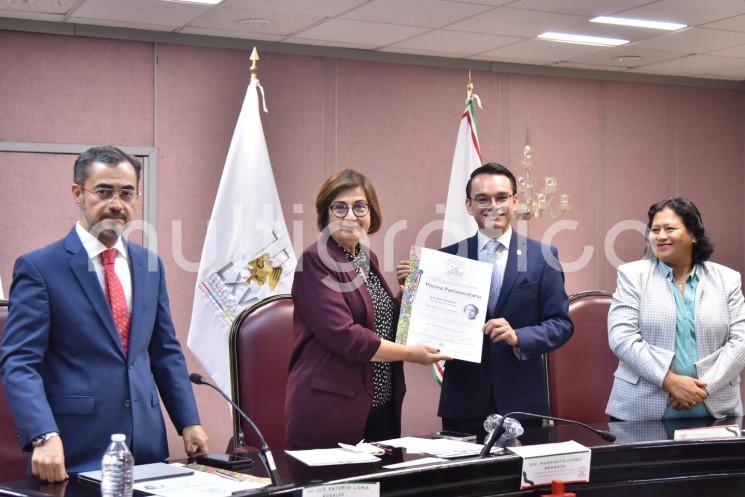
pixel 261 340
pixel 12 458
pixel 580 373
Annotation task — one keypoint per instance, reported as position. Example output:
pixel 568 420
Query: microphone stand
pixel 264 453
pixel 605 435
pixel 491 440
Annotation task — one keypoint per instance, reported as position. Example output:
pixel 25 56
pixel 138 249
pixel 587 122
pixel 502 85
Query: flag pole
pixel 255 64
pixel 457 223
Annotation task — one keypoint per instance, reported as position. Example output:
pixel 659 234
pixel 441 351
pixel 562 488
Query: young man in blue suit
pixel 89 343
pixel 527 313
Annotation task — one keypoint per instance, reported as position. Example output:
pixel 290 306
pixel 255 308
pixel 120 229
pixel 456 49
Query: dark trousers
pixel 382 423
pixel 474 426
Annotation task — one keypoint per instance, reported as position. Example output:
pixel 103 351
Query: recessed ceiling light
pixel 582 39
pixel 203 2
pixel 639 23
pixel 255 22
pixel 627 59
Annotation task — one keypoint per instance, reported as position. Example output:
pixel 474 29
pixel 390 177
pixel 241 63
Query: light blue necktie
pixel 492 247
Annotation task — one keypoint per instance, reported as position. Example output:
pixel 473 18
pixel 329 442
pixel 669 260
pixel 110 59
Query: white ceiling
pixel 713 46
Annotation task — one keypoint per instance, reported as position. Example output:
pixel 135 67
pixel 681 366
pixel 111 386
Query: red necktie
pixel 115 294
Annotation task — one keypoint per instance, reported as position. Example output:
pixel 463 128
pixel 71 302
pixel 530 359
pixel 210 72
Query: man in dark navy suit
pixel 89 346
pixel 527 313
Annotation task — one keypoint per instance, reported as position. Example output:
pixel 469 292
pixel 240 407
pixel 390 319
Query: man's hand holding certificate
pixel 444 303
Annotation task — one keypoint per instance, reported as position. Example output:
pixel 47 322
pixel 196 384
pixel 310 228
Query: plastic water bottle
pixel 116 468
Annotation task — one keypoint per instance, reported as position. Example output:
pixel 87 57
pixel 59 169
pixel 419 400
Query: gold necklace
pixel 685 279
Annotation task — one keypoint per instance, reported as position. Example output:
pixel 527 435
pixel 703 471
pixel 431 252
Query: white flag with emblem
pixel 247 254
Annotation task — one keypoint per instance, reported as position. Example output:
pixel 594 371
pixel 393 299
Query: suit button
pixel 127 403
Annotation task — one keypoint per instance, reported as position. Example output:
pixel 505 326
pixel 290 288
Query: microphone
pixel 501 430
pixel 494 424
pixel 494 427
pixel 264 452
pixel 512 431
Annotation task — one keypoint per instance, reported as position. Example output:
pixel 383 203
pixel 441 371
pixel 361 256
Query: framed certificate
pixel 444 303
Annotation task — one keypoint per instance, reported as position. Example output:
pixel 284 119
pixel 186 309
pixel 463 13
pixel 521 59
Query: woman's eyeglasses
pixel 341 210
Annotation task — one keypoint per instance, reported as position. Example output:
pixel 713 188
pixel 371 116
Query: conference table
pixel 643 461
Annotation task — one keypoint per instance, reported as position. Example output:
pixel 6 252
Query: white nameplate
pixel 706 432
pixel 344 490
pixel 565 461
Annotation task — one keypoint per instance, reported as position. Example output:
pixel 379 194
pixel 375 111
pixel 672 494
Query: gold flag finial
pixel 469 86
pixel 254 64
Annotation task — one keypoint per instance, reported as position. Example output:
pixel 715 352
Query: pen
pixel 225 474
pixel 363 447
pixel 6 491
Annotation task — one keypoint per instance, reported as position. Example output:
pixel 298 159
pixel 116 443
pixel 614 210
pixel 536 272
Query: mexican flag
pixel 458 224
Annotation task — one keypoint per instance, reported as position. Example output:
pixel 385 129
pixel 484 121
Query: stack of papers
pixel 329 457
pixel 200 484
pixel 437 447
pixel 351 454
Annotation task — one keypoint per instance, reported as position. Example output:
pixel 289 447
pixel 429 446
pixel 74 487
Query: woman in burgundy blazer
pixel 346 378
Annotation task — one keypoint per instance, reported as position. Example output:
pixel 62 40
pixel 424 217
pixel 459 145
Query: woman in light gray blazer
pixel 677 325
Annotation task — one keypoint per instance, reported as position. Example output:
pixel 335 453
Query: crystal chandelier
pixel 532 202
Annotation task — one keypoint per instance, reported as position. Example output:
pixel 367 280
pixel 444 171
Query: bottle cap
pixel 118 437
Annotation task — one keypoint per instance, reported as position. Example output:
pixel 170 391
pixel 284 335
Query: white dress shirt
pixel 500 257
pixel 95 248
